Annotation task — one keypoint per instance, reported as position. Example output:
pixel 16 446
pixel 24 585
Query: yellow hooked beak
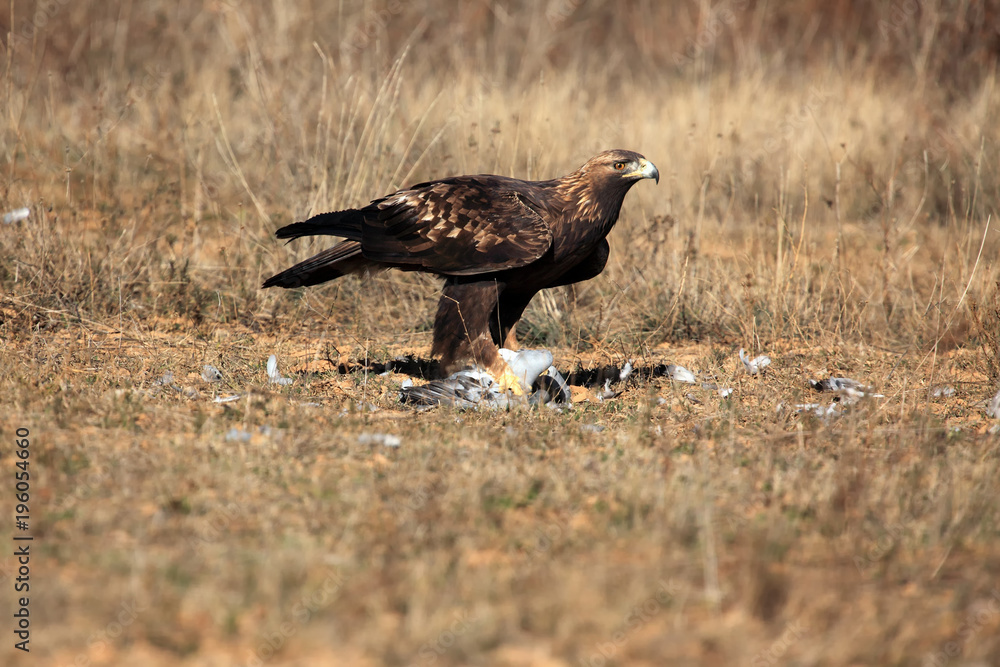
pixel 646 170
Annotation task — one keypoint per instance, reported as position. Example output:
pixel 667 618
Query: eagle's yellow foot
pixel 507 381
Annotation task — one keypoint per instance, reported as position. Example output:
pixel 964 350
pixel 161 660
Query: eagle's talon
pixel 507 381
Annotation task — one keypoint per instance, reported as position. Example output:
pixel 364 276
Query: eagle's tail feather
pixel 335 223
pixel 340 260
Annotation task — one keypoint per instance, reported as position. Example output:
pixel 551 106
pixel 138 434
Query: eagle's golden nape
pixel 496 241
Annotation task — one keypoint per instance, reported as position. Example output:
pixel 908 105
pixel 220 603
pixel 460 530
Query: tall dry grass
pixel 826 168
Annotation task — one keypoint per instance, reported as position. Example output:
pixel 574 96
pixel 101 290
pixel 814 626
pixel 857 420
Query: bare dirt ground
pixel 665 525
pixel 829 197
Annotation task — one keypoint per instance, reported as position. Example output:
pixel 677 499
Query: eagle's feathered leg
pixel 511 305
pixel 462 329
pixel 504 319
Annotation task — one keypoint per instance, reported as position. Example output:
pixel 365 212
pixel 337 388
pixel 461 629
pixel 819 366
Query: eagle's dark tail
pixel 340 260
pixel 335 223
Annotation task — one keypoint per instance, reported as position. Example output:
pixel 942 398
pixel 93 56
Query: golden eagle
pixel 496 241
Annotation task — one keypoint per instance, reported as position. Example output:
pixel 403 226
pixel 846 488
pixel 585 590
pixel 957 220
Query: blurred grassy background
pixel 195 129
pixel 830 188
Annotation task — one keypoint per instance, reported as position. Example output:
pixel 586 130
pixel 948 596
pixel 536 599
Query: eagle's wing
pixel 458 226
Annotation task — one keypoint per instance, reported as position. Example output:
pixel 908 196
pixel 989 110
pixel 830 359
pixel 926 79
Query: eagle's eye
pixel 619 166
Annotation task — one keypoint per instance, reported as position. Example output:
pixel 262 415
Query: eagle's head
pixel 596 190
pixel 619 167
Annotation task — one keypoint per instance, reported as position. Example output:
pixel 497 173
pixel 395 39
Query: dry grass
pixel 830 196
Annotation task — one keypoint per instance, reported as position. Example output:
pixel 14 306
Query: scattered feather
pixel 680 374
pixel 755 365
pixel 16 215
pixel 838 384
pixel 237 435
pixel 591 428
pixel 358 407
pixel 724 392
pixel 384 439
pixel 166 381
pixel 273 376
pixel 819 410
pixel 625 371
pixel 993 409
pixel 607 393
pixel 210 373
pixel 241 435
pixel 226 399
pixel 852 390
pixel 945 391
pixel 834 409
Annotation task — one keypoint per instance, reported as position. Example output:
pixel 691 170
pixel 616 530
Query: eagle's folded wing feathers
pixel 462 226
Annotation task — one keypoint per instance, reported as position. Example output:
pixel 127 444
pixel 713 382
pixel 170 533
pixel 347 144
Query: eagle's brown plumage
pixel 495 240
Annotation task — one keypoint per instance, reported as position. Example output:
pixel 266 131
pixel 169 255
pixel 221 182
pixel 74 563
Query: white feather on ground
pixel 755 365
pixel 273 376
pixel 16 215
pixel 993 409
